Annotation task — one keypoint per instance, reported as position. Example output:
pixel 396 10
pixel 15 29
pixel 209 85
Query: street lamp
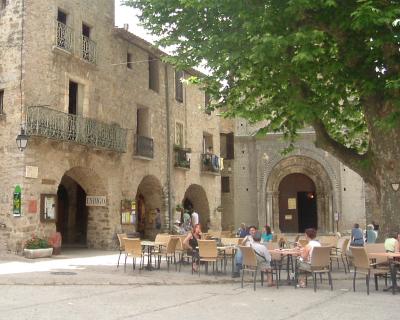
pixel 22 140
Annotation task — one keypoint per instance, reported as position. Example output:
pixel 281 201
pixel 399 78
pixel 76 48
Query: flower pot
pixel 38 253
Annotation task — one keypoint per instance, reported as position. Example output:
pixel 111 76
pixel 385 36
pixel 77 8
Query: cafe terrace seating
pixel 362 265
pixel 121 236
pixel 133 248
pixel 250 265
pixel 340 252
pixel 320 263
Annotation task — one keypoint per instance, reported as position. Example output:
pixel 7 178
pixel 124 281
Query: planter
pixel 38 253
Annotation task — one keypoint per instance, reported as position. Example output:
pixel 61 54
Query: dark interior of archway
pixel 196 199
pixel 297 203
pixel 72 213
pixel 187 204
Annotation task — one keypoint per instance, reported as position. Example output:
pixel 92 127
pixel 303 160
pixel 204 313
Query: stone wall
pixel 112 93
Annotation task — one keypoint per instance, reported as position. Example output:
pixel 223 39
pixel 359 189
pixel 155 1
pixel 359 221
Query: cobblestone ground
pixel 87 284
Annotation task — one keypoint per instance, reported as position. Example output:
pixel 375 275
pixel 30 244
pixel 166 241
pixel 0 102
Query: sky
pixel 128 15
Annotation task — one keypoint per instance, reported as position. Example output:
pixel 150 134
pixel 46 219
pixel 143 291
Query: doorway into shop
pixel 72 213
pixel 297 203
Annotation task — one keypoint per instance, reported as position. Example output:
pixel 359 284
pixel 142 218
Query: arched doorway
pixel 149 198
pixel 72 217
pixel 323 191
pixel 80 225
pixel 196 199
pixel 297 203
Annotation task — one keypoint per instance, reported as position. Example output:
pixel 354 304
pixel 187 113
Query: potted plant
pixel 37 248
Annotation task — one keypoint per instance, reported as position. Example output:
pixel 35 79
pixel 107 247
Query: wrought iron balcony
pixel 64 36
pixel 182 157
pixel 88 49
pixel 210 163
pixel 144 147
pixel 52 124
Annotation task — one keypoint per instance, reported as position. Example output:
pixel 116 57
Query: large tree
pixel 331 64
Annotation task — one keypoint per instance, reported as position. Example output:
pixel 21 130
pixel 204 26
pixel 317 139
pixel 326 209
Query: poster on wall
pixel 128 212
pixel 292 203
pixel 48 207
pixel 17 199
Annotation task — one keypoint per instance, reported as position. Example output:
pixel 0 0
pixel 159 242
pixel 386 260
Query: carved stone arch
pixel 317 173
pixel 269 162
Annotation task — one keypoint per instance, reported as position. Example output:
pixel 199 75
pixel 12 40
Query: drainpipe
pixel 169 166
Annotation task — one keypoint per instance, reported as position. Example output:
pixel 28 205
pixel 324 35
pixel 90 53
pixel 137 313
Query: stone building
pixel 114 134
pixel 305 188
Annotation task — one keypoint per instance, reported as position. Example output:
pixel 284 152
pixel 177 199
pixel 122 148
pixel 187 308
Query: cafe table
pixel 149 247
pixel 394 261
pixel 289 254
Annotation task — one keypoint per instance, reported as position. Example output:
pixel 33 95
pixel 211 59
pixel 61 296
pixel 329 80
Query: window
pixel 3 4
pixel 227 145
pixel 1 102
pixel 143 122
pixel 129 60
pixel 179 134
pixel 179 75
pixel 207 143
pixel 207 103
pixel 62 17
pixel 225 188
pixel 153 74
pixel 75 98
pixel 85 30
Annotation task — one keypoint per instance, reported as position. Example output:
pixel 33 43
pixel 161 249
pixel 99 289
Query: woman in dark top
pixel 191 242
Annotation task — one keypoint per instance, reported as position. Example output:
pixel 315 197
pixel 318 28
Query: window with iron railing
pixel 88 46
pixel 144 147
pixel 64 34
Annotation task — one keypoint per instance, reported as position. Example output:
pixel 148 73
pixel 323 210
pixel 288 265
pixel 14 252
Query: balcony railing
pixel 210 163
pixel 144 147
pixel 182 157
pixel 88 49
pixel 53 124
pixel 64 36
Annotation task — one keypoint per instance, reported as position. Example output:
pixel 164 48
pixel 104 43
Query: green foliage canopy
pixel 332 64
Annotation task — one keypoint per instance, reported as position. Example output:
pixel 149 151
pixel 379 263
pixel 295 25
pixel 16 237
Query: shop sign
pixel 31 172
pixel 17 199
pixel 96 201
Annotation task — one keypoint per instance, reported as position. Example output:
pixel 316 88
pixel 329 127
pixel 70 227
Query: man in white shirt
pixel 247 241
pixel 195 218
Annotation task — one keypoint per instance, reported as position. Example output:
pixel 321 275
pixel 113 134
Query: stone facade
pixel 259 168
pixel 108 92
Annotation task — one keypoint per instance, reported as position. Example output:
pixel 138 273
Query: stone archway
pixel 323 186
pixel 149 198
pixel 197 197
pixel 84 226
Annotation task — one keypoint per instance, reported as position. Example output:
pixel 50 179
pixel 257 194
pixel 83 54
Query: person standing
pixel 357 238
pixel 186 221
pixel 195 218
pixel 191 242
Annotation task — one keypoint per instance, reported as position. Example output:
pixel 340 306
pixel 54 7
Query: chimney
pixel 126 26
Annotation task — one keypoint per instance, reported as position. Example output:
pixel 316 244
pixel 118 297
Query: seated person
pixel 247 241
pixel 370 234
pixel 263 257
pixel 242 232
pixel 306 253
pixel 392 242
pixel 191 242
pixel 267 234
pixel 178 228
pixel 357 238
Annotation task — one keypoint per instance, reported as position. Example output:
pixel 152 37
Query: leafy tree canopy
pixel 332 64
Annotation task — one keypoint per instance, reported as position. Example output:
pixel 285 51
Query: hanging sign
pixel 96 201
pixel 17 199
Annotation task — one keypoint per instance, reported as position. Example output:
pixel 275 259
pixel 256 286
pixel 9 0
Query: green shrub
pixel 37 243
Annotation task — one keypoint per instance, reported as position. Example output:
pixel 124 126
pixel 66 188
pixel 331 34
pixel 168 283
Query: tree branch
pixel 355 161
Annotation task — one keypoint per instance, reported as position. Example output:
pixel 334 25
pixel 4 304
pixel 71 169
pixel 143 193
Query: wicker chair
pixel 168 252
pixel 340 253
pixel 208 253
pixel 320 263
pixel 362 265
pixel 133 249
pixel 250 265
pixel 121 236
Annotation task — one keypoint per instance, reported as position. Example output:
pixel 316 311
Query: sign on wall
pixel 292 203
pixel 96 201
